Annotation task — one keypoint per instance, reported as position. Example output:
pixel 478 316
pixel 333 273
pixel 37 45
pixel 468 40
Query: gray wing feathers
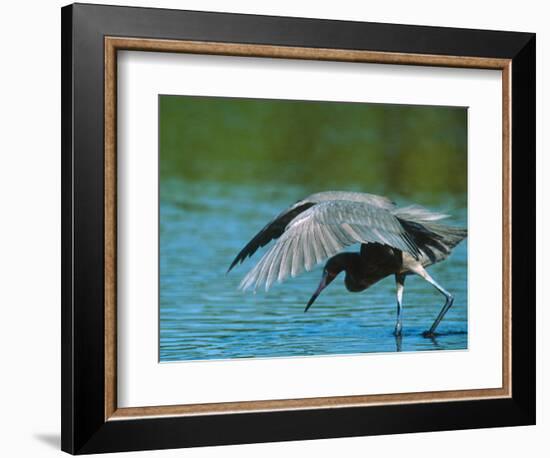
pixel 323 231
pixel 369 199
pixel 434 239
pixel 418 213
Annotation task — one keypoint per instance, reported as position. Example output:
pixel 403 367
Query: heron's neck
pixel 350 262
pixel 358 274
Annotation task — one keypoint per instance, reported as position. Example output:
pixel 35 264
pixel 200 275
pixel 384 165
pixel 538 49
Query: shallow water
pixel 203 315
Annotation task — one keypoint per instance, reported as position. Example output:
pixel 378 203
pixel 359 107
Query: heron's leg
pixel 400 285
pixel 448 299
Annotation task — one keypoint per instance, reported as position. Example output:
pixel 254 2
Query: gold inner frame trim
pixel 114 44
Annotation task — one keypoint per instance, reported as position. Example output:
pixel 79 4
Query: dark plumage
pixel 394 241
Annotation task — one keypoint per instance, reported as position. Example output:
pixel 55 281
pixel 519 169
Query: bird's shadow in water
pixel 399 342
pixel 435 343
pixel 451 333
pixel 433 338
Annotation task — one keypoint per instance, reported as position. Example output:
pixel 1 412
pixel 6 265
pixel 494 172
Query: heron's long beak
pixel 321 287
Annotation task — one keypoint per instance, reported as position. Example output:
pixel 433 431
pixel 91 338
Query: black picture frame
pixel 84 428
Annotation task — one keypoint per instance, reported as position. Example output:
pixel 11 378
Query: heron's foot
pixel 428 334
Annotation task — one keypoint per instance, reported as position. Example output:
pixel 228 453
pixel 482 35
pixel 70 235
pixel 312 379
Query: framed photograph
pixel 281 228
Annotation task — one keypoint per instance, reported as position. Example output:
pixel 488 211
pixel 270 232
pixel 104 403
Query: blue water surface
pixel 204 316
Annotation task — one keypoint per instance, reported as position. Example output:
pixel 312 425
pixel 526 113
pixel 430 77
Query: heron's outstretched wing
pixel 322 231
pixel 272 230
pixel 275 228
pixel 434 239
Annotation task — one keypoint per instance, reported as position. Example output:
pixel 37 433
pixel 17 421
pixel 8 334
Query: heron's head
pixel 332 268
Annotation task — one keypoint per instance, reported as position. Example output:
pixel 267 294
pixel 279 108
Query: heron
pixel 399 241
